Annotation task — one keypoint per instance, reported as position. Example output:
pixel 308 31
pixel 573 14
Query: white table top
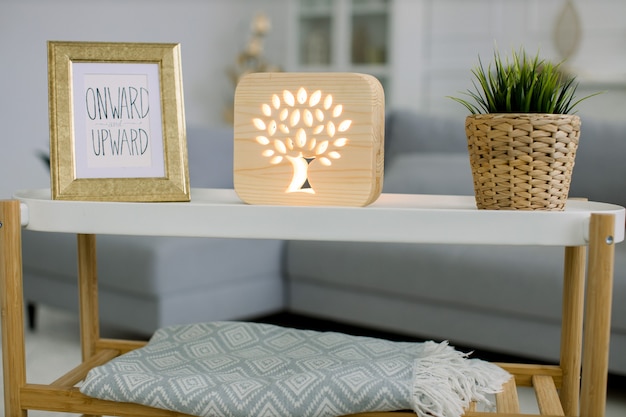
pixel 392 218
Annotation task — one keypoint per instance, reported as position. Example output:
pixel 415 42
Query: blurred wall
pixel 211 34
pixel 435 43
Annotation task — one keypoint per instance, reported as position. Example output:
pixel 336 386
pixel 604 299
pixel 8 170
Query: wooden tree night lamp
pixel 309 139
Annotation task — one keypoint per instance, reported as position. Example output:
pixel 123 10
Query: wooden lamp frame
pixel 309 139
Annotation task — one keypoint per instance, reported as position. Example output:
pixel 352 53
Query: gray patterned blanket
pixel 233 369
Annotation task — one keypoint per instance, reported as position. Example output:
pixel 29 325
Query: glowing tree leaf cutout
pixel 271 128
pixel 259 124
pixel 300 128
pixel 315 98
pixel 300 138
pixel 341 142
pixel 302 95
pixel 262 140
pixel 307 116
pixel 280 146
pixel 330 129
pixel 276 101
pixel 295 118
pixel 328 101
pixel 289 98
pixel 321 148
pixel 345 125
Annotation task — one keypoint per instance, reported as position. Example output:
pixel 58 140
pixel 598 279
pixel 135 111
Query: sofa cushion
pixel 523 281
pixel 600 166
pixel 157 266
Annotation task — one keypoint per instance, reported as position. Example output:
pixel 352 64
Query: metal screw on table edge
pixel 1 225
pixel 609 240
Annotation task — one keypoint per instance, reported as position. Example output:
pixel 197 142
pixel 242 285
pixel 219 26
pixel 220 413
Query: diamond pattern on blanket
pixel 232 369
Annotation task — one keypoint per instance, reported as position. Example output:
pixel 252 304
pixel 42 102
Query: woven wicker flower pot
pixel 522 161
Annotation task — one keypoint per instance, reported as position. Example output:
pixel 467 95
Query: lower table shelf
pixel 63 395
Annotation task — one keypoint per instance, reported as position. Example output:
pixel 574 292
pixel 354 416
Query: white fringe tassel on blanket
pixel 445 381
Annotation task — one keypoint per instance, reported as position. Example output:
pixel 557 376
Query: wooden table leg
pixel 12 307
pixel 88 294
pixel 597 321
pixel 572 327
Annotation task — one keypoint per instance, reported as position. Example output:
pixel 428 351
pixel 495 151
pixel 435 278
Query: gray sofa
pixel 503 299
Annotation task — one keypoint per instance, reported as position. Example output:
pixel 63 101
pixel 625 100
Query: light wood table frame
pixel 587 231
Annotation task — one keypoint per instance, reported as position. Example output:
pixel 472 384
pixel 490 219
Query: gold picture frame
pixel 117 124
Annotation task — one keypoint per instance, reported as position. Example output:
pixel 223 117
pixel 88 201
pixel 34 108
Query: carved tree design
pixel 301 128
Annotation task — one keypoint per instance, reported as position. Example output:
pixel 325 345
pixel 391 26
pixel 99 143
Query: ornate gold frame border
pixel 174 186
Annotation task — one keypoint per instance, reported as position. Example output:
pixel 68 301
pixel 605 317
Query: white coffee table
pixel 583 226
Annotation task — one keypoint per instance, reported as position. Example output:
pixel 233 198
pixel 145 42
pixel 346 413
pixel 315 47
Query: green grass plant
pixel 521 84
